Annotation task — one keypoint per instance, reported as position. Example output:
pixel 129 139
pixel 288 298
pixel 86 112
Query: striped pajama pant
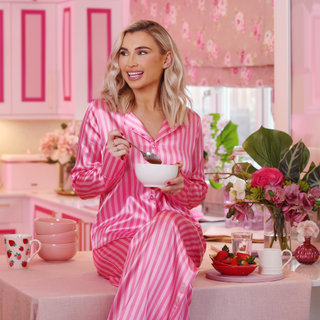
pixel 154 269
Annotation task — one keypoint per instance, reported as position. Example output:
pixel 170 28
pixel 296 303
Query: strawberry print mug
pixel 18 250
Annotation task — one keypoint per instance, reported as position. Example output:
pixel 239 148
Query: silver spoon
pixel 148 156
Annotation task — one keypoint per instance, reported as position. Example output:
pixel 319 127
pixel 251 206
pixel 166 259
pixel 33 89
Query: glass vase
pixel 277 231
pixel 65 183
pixel 307 253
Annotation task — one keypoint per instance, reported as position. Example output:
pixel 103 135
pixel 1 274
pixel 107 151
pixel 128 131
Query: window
pixel 249 108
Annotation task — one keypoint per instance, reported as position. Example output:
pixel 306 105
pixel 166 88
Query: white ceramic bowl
pixel 64 237
pixel 53 225
pixel 58 251
pixel 155 175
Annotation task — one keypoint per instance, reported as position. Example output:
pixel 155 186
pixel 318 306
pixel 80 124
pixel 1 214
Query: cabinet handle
pixel 5 205
pixel 50 89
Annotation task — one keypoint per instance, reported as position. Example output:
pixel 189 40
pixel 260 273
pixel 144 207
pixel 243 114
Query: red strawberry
pixel 11 263
pixel 226 261
pixel 24 264
pixel 27 252
pixel 221 255
pixel 243 263
pixel 234 261
pixel 243 256
pixel 9 253
pixel 25 241
pixel 12 243
pixel 18 256
pixel 21 248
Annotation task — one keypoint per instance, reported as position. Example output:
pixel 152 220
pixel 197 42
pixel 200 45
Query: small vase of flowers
pixel 60 147
pixel 307 253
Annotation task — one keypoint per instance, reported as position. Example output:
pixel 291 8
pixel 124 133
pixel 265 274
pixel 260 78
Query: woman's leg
pixel 110 259
pixel 162 261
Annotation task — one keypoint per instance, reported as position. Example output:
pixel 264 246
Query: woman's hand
pixel 175 185
pixel 118 147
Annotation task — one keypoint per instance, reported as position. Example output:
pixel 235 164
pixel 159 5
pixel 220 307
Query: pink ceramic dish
pixel 58 252
pixel 54 225
pixel 64 237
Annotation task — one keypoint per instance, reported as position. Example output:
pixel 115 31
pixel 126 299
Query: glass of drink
pixel 241 242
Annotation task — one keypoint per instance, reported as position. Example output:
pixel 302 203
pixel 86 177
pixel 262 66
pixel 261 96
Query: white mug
pixel 18 250
pixel 270 260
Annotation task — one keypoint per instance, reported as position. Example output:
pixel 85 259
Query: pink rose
pixel 267 176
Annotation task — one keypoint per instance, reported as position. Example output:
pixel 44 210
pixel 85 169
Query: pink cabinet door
pixel 33 53
pixel 5 59
pixel 86 33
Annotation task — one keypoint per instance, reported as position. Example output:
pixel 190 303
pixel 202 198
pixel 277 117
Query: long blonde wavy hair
pixel 173 98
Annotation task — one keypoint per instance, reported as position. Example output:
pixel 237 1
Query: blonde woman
pixel 145 240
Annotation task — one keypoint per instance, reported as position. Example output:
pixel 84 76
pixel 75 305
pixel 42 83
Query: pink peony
pixel 292 193
pixel 267 176
pixel 293 213
pixel 243 211
pixel 315 192
pixel 306 202
pixel 275 194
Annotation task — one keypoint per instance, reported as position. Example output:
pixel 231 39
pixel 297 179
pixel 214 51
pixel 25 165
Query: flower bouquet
pixel 219 138
pixel 281 185
pixel 61 146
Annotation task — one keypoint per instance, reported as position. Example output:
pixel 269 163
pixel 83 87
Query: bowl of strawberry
pixel 233 264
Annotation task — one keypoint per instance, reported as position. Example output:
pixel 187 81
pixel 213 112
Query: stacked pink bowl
pixel 58 237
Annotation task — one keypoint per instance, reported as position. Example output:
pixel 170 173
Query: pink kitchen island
pixel 73 290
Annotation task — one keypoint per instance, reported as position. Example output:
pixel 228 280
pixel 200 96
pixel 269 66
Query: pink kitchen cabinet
pixel 33 67
pixel 86 31
pixel 13 216
pixel 5 59
pixel 53 55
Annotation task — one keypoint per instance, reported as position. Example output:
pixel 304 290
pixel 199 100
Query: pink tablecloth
pixel 73 290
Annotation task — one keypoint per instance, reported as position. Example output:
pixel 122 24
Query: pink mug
pixel 18 250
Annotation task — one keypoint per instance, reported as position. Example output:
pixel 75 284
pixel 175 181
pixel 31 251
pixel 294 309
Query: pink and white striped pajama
pixel 145 242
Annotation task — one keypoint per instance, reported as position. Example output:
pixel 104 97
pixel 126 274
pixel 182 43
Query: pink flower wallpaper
pixel 223 42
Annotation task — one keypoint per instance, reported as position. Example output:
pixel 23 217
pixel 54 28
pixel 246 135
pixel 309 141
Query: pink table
pixel 73 290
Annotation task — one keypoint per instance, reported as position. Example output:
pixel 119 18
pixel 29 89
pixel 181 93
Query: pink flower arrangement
pixel 281 185
pixel 61 145
pixel 307 229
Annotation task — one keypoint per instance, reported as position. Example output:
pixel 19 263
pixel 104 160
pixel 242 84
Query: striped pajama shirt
pixel 145 242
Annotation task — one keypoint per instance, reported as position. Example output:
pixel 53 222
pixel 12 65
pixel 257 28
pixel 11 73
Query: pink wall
pixel 305 53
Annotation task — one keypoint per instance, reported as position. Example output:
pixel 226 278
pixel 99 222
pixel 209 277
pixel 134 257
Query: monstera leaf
pixel 267 147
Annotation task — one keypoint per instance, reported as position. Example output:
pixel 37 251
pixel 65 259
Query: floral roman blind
pixel 223 42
